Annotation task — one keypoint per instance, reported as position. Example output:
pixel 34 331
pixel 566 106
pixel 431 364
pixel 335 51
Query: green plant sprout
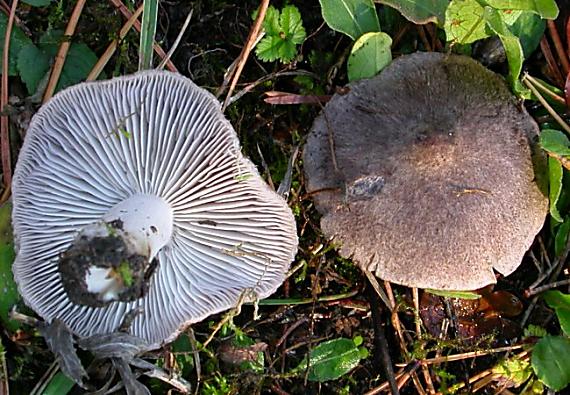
pixel 283 32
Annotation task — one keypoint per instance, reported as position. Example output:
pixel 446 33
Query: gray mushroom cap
pixel 157 138
pixel 432 182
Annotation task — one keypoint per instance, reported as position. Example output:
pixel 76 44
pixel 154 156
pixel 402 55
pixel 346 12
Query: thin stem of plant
pixel 4 121
pixel 63 49
pixel 543 101
pixel 540 86
pixel 176 42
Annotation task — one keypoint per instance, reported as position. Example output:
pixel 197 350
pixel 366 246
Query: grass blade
pixel 148 30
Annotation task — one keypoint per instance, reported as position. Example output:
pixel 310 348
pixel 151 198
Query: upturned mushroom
pixel 425 174
pixel 133 193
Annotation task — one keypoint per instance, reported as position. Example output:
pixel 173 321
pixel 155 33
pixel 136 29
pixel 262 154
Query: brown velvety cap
pixel 434 183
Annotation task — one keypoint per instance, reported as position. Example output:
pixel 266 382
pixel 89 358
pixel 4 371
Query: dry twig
pixel 249 44
pixel 4 121
pixel 63 49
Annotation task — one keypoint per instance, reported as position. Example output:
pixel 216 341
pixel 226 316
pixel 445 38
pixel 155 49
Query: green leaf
pixel 37 3
pixel 148 31
pixel 18 40
pixel 351 17
pixel 529 28
pixel 550 361
pixel 9 295
pixel 561 304
pixel 271 23
pixel 455 294
pixel 370 54
pixel 561 237
pixel 292 25
pixel 420 11
pixel 511 43
pixel 331 360
pixel 555 141
pixel 283 31
pixel 60 384
pixel 547 9
pixel 79 62
pixel 464 21
pixel 514 371
pixel 555 186
pixel 33 64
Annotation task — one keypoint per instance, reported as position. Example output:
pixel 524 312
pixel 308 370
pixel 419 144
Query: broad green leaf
pixel 33 64
pixel 511 43
pixel 464 22
pixel 529 28
pixel 561 237
pixel 332 359
pixel 547 9
pixel 561 304
pixel 18 40
pixel 550 361
pixel 351 17
pixel 79 62
pixel 37 3
pixel 420 11
pixel 369 54
pixel 555 141
pixel 514 371
pixel 9 295
pixel 455 294
pixel 555 186
pixel 60 384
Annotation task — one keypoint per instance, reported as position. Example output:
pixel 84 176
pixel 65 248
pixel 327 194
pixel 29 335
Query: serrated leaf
pixel 369 54
pixel 37 3
pixel 555 141
pixel 33 64
pixel 560 302
pixel 351 17
pixel 284 30
pixel 271 21
pixel 547 9
pixel 550 361
pixel 555 173
pixel 513 371
pixel 9 295
pixel 511 43
pixel 420 11
pixel 292 24
pixel 18 40
pixel 464 21
pixel 529 28
pixel 455 294
pixel 331 360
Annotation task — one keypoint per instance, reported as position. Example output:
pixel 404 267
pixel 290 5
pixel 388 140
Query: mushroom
pixel 132 194
pixel 425 173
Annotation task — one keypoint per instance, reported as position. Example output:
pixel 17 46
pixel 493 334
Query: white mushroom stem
pixel 146 222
